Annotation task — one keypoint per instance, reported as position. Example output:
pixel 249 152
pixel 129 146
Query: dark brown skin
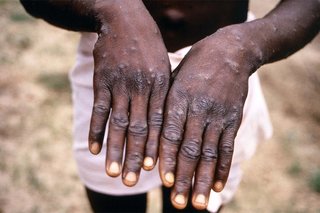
pixel 203 109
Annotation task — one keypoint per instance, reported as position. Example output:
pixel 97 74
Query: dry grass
pixel 37 171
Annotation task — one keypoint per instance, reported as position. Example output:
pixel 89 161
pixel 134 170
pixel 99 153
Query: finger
pixel 206 168
pixel 99 117
pixel 188 157
pixel 174 120
pixel 155 119
pixel 116 137
pixel 226 145
pixel 137 136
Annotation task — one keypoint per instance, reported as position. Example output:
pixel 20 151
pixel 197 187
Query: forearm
pixel 286 29
pixel 76 15
pixel 79 15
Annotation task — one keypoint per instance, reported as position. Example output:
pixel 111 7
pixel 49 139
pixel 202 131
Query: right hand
pixel 131 77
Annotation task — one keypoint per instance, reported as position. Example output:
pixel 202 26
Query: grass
pixel 314 181
pixel 20 17
pixel 57 82
pixel 295 168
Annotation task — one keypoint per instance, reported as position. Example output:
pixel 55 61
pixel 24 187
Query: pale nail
pixel 95 148
pixel 148 162
pixel 169 177
pixel 218 186
pixel 201 199
pixel 180 199
pixel 114 168
pixel 131 177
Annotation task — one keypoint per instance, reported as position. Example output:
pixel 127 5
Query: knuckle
pixel 100 109
pixel 156 119
pixel 162 81
pixel 226 149
pixel 151 146
pixel 234 118
pixel 135 157
pixel 172 133
pixel 224 167
pixel 191 149
pixel 138 129
pixel 119 121
pixel 134 161
pixel 183 182
pixel 204 180
pixel 139 81
pixel 209 154
pixel 170 161
pixel 96 133
pixel 201 105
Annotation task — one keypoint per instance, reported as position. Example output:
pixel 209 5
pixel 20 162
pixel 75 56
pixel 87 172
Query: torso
pixel 184 22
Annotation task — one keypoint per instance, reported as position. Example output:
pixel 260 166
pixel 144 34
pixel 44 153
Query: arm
pixel 76 15
pixel 286 29
pixel 131 76
pixel 205 103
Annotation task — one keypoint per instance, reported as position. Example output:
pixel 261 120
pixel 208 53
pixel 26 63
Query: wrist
pixel 113 13
pixel 243 46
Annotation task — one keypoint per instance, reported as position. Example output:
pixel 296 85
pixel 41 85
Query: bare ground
pixel 37 171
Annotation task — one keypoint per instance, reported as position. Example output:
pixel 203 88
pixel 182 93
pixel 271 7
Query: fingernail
pixel 131 178
pixel 218 186
pixel 95 148
pixel 180 199
pixel 201 199
pixel 114 168
pixel 148 162
pixel 169 177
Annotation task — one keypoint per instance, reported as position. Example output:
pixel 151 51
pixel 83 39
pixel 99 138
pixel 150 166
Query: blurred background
pixel 37 170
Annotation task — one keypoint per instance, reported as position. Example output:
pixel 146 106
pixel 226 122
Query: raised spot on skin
pixel 159 111
pixel 178 111
pixel 274 28
pixel 204 76
pixel 133 48
pixel 233 65
pixel 122 66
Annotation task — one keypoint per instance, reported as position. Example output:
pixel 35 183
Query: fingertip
pixel 95 148
pixel 200 202
pixel 130 179
pixel 179 201
pixel 168 179
pixel 148 163
pixel 218 186
pixel 114 169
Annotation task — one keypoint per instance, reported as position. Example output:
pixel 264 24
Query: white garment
pixel 255 127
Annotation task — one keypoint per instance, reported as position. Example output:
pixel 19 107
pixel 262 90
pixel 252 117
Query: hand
pixel 203 114
pixel 131 76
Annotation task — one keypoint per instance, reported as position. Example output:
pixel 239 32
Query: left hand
pixel 203 114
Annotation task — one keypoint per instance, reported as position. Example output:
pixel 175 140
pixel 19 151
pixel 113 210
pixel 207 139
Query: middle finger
pixel 136 139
